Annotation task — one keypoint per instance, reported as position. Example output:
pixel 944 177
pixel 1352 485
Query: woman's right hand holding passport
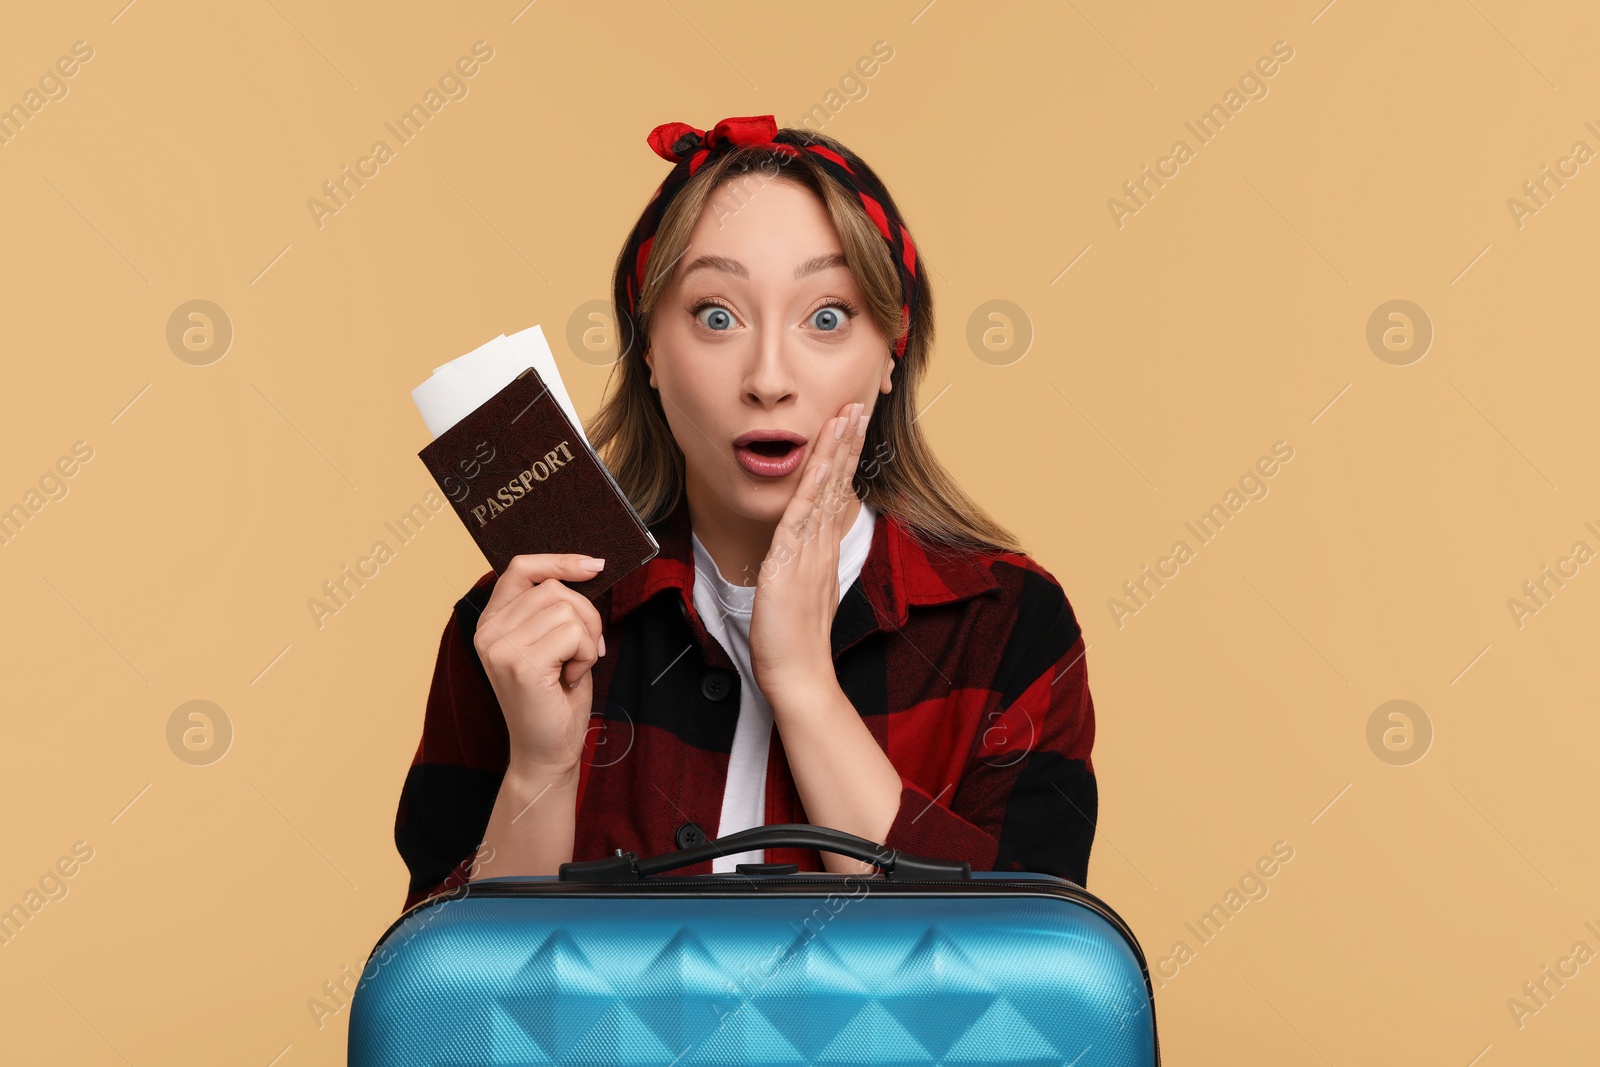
pixel 538 641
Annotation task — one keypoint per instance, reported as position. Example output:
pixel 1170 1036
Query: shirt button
pixel 690 835
pixel 715 685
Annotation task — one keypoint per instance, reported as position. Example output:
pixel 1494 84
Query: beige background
pixel 1229 313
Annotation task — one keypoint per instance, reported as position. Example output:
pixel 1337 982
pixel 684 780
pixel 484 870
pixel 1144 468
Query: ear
pixel 887 383
pixel 650 361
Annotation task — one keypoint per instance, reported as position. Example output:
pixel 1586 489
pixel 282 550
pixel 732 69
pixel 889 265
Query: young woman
pixel 832 633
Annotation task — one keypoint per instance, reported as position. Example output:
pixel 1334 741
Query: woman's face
pixel 762 329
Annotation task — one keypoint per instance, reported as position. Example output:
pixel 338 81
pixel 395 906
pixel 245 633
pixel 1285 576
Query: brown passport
pixel 523 479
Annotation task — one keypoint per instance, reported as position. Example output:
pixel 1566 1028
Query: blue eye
pixel 715 318
pixel 829 319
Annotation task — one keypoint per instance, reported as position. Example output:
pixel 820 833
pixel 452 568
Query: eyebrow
pixel 737 269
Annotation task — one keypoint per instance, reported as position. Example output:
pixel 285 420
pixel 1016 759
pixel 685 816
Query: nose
pixel 768 378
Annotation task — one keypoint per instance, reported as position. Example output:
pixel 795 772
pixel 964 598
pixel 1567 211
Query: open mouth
pixel 772 454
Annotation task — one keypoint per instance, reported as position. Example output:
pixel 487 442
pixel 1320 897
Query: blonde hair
pixel 898 473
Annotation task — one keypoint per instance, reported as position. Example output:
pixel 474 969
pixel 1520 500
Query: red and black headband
pixel 691 149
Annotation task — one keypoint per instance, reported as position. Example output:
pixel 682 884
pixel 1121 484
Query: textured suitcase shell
pixel 765 970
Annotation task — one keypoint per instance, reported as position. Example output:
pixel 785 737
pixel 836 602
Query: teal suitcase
pixel 614 962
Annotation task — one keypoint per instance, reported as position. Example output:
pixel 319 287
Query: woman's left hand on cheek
pixel 797 589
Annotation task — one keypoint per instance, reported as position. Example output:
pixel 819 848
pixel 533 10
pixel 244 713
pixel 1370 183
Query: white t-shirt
pixel 725 609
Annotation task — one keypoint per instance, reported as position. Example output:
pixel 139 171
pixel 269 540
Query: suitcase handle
pixel 896 865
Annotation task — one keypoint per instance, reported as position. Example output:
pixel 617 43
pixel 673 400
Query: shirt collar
pixel 899 573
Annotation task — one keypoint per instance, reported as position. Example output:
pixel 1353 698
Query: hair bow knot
pixel 678 141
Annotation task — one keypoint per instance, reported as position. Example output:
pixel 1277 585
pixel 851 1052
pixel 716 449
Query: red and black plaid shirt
pixel 968 668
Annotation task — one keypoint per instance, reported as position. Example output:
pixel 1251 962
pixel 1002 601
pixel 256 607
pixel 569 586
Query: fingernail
pixel 602 644
pixel 592 564
pixel 861 428
pixel 838 428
